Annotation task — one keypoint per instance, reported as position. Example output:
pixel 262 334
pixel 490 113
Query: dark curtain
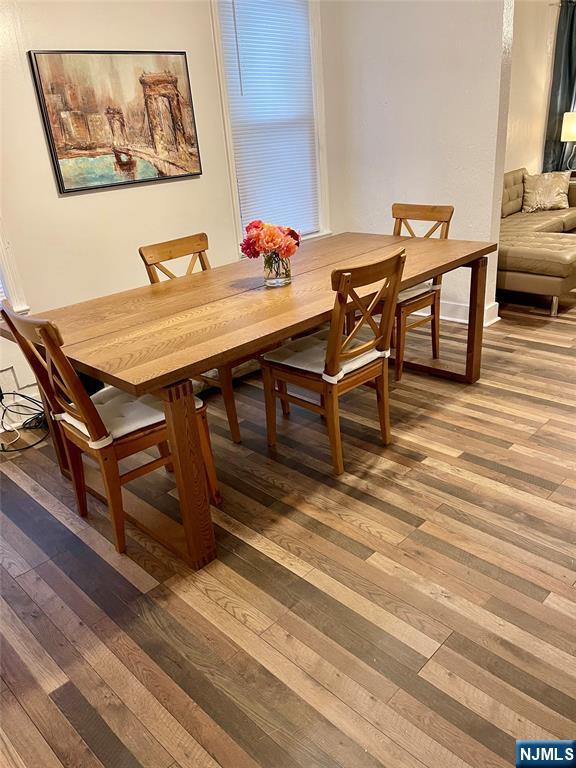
pixel 563 92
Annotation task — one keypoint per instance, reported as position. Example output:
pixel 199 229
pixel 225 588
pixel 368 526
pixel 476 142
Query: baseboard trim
pixel 458 313
pixel 491 315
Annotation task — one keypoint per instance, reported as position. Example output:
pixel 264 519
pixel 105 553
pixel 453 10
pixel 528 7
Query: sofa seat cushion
pixel 540 221
pixel 568 218
pixel 540 253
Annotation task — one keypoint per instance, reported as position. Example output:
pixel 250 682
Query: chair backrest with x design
pixel 439 215
pixel 40 342
pixel 155 256
pixel 385 275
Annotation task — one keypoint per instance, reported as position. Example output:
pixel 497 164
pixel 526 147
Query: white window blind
pixel 269 79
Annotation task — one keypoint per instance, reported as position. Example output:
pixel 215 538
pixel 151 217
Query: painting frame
pixel 55 156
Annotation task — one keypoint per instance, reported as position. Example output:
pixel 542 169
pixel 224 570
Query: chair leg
pixel 435 311
pixel 208 456
pixel 111 477
pixel 164 451
pixel 283 388
pixel 333 424
pixel 270 402
pixel 393 336
pixel 400 342
pixel 383 398
pixel 76 467
pixel 225 379
pixel 58 439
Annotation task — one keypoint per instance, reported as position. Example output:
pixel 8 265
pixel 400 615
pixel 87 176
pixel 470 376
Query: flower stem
pixel 276 266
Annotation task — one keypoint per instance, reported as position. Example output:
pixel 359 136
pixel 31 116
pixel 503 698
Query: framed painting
pixel 116 117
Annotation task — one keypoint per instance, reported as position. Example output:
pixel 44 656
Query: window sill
pixel 317 235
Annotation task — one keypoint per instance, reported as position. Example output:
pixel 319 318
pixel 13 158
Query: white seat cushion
pixel 308 353
pixel 248 366
pixel 417 290
pixel 123 413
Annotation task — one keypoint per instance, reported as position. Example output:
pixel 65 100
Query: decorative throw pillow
pixel 546 191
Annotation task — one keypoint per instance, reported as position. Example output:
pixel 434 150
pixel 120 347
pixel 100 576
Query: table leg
pixel 184 440
pixel 476 319
pixel 471 372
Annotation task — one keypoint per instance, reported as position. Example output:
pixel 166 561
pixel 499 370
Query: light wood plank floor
pixel 418 611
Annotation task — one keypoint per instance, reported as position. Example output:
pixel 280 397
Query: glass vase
pixel 277 271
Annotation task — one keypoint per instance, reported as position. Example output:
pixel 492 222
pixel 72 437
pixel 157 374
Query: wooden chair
pixel 425 294
pixel 155 258
pixel 109 426
pixel 330 362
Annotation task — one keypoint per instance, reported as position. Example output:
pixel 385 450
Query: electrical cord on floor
pixel 32 409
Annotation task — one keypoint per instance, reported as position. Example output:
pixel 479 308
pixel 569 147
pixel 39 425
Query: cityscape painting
pixel 116 117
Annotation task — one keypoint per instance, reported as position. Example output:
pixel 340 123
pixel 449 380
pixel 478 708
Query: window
pixel 269 78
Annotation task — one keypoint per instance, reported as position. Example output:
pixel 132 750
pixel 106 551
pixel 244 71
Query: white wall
pixel 532 61
pixel 414 114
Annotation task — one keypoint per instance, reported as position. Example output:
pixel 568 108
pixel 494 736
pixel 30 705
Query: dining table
pixel 154 338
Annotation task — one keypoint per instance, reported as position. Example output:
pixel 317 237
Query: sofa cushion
pixel 540 221
pixel 568 218
pixel 540 253
pixel 513 192
pixel 546 191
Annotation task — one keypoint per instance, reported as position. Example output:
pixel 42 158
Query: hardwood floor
pixel 419 610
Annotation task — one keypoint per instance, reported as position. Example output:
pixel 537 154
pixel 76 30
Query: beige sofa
pixel 536 252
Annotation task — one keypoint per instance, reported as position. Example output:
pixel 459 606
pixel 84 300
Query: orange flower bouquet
pixel 276 245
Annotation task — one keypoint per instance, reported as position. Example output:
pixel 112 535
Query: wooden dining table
pixel 152 339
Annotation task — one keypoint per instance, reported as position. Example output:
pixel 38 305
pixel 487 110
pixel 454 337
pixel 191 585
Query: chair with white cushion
pixel 109 426
pixel 332 362
pixel 425 294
